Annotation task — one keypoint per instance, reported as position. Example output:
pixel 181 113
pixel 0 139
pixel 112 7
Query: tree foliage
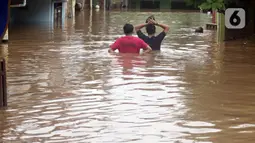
pixel 213 4
pixel 209 4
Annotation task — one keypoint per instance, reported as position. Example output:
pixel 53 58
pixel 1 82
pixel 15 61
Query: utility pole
pixel 91 4
pixel 104 4
pixel 70 8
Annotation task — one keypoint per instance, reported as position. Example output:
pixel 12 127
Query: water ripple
pixel 64 87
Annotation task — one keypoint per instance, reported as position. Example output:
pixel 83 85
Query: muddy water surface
pixel 64 86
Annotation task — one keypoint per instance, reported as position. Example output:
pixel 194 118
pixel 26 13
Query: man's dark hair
pixel 151 29
pixel 128 29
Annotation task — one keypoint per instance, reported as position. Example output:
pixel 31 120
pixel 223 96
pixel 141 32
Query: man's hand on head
pixel 151 21
pixel 149 18
pixel 165 27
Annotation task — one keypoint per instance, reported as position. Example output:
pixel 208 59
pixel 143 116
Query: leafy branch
pixel 213 4
pixel 219 5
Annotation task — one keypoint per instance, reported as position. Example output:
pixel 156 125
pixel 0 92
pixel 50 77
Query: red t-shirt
pixel 129 44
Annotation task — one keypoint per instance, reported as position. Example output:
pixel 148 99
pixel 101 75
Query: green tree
pixel 209 4
pixel 213 4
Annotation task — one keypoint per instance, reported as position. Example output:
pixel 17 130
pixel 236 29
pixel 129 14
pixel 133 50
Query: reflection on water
pixel 65 87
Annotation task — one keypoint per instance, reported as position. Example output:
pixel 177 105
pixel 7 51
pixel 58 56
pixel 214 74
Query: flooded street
pixel 64 87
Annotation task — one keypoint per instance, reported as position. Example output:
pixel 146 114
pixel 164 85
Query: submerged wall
pixel 182 5
pixel 164 4
pixel 36 11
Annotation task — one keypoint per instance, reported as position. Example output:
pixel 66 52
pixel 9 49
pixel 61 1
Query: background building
pixel 159 4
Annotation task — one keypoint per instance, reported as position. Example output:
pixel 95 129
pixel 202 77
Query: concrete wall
pixel 181 4
pixel 134 4
pixel 36 11
pixel 164 4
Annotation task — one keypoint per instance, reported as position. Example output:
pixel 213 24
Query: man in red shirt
pixel 129 43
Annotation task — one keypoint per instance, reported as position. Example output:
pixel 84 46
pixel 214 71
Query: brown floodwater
pixel 64 87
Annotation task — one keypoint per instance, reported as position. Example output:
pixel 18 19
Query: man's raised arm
pixel 163 26
pixel 140 26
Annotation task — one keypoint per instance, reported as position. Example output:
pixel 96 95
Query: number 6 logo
pixel 235 18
